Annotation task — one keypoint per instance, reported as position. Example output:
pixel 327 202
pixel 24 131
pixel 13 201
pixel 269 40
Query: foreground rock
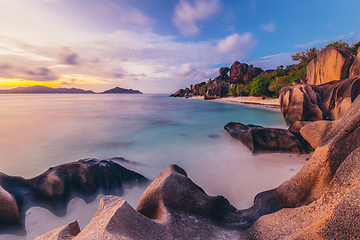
pixel 322 200
pixel 268 140
pixel 57 186
pixel 330 101
pixel 172 207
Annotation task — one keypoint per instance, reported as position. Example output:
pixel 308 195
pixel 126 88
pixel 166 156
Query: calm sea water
pixel 39 131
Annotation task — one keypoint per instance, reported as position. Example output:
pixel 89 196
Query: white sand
pixel 254 101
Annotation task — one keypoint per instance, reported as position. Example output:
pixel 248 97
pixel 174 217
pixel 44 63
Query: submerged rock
pixel 268 140
pixel 57 186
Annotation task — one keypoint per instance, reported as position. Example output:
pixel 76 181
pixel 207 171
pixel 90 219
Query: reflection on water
pixel 39 131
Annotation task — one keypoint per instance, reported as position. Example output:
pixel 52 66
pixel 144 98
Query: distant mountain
pixel 122 90
pixel 42 89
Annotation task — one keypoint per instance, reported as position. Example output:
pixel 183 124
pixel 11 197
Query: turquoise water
pixel 39 131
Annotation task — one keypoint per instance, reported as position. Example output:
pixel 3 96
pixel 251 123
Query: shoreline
pixel 272 103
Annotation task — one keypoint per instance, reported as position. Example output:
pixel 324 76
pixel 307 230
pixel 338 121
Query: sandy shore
pixel 256 101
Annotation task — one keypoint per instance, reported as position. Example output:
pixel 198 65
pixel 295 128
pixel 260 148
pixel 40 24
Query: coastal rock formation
pixel 268 140
pixel 243 73
pixel 315 132
pixel 172 207
pixel 329 101
pixel 322 200
pixel 355 67
pixel 217 90
pixel 329 65
pixel 57 186
pixel 224 72
pixel 180 93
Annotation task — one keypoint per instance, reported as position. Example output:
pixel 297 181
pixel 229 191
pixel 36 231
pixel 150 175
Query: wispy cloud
pixel 273 61
pixel 128 12
pixel 186 14
pixel 270 27
pixel 316 42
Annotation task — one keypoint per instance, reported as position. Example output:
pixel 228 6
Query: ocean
pixel 152 131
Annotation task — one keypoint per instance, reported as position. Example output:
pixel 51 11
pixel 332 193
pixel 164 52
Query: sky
pixel 159 46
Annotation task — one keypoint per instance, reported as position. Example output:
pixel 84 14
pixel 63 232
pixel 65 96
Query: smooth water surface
pixel 38 131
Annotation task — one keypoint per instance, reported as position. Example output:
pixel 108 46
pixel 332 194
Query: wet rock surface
pixel 268 140
pixel 57 186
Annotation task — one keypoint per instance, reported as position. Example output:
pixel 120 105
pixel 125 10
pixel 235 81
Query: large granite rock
pixel 172 207
pixel 329 101
pixel 315 132
pixel 180 93
pixel 243 73
pixel 268 140
pixel 217 90
pixel 322 200
pixel 57 186
pixel 355 67
pixel 329 65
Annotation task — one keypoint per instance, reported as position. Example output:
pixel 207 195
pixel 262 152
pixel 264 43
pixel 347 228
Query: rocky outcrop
pixel 180 93
pixel 329 65
pixel 57 186
pixel 355 67
pixel 243 73
pixel 217 90
pixel 172 207
pixel 315 132
pixel 322 200
pixel 268 140
pixel 329 101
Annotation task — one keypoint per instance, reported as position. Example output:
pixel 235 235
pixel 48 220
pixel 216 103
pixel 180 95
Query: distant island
pixel 43 89
pixel 122 90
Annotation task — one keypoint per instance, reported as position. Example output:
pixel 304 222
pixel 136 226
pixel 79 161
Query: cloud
pixel 186 14
pixel 128 12
pixel 37 74
pixel 40 74
pixel 236 45
pixel 270 27
pixel 273 61
pixel 197 71
pixel 324 40
pixel 67 57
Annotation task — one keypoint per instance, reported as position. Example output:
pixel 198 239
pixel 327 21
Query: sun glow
pixel 7 83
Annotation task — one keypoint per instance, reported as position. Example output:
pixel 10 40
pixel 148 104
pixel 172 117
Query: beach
pixel 273 103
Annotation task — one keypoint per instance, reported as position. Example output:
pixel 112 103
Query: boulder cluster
pixel 241 73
